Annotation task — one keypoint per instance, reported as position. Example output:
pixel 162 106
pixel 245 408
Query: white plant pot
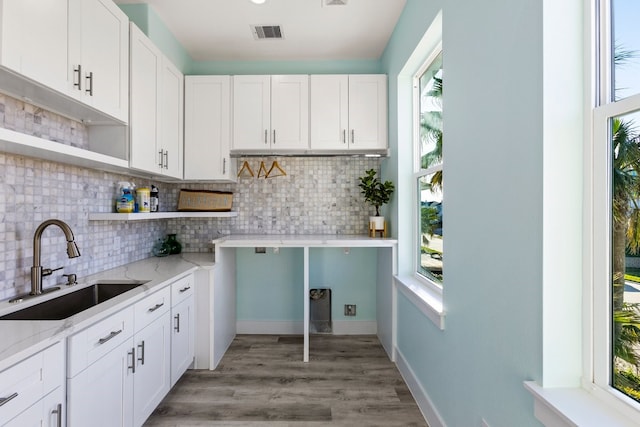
pixel 376 222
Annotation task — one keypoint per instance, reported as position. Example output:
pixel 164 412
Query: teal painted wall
pixel 491 343
pixel 151 24
pixel 270 286
pixel 285 67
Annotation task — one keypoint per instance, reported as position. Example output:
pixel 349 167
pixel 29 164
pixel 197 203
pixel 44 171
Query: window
pixel 616 201
pixel 428 169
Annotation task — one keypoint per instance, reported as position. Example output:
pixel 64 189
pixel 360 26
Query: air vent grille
pixel 266 32
pixel 335 2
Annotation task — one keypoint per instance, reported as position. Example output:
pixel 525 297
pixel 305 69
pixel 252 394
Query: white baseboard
pixel 262 327
pixel 346 327
pixel 429 411
pixel 355 327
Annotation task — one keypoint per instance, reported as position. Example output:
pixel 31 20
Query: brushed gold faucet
pixel 37 272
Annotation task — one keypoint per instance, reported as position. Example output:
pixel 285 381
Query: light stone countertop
pixel 21 338
pixel 302 240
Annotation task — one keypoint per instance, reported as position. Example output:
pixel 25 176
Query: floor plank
pixel 262 381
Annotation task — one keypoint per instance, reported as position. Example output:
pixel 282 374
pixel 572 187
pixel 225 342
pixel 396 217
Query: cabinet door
pixel 104 38
pixel 329 112
pixel 171 123
pixel 368 111
pixel 34 40
pixel 102 394
pixel 145 80
pixel 290 112
pixel 251 113
pixel 207 131
pixel 47 412
pixel 182 338
pixel 152 378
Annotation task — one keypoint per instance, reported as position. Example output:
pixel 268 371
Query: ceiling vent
pixel 334 2
pixel 266 32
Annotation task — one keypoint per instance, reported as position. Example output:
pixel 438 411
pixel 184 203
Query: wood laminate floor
pixel 262 381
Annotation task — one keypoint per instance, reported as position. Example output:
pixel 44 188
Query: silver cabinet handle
pixel 58 412
pixel 185 289
pixel 353 136
pixel 274 136
pixel 155 307
pixel 4 400
pixel 177 327
pixel 344 136
pixel 141 347
pixel 89 90
pixel 79 71
pixel 161 152
pixel 110 336
pixel 266 135
pixel 166 159
pixel 224 165
pixel 132 353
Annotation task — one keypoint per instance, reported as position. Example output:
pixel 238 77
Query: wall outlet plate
pixel 349 309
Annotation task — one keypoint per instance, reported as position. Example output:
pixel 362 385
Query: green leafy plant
pixel 375 192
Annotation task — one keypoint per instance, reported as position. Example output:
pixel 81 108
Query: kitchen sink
pixel 73 303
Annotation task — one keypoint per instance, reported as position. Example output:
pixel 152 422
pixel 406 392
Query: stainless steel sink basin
pixel 73 303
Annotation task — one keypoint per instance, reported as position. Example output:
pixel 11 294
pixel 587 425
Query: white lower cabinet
pixel 102 394
pixel 183 328
pixel 32 391
pixel 120 368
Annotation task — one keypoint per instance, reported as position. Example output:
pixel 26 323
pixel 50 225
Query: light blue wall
pixel 285 67
pixel 492 101
pixel 151 24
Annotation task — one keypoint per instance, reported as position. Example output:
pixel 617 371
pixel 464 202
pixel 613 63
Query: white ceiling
pixel 220 30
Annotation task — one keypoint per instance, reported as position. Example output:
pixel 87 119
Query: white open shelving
pixel 98 216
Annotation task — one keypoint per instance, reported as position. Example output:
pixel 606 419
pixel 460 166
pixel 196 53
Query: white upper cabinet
pixel 207 129
pixel 156 122
pixel 348 112
pixel 98 55
pixel 270 113
pixel 77 48
pixel 34 40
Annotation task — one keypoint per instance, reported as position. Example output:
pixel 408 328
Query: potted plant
pixel 376 193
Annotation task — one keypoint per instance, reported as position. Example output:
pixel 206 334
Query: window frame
pixel 602 107
pixel 418 172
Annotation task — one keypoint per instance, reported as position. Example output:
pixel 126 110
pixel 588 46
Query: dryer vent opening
pixel 320 311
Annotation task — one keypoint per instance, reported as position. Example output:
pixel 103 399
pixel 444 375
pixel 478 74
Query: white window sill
pixel 572 407
pixel 426 300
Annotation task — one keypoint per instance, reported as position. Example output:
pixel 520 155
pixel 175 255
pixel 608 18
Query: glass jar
pixel 175 247
pixel 160 248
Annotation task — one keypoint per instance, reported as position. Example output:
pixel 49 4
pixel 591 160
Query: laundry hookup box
pixel 204 201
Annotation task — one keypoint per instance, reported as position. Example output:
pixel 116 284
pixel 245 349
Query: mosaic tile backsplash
pixel 318 195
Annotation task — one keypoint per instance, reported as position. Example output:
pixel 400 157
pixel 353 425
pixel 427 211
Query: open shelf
pixel 157 215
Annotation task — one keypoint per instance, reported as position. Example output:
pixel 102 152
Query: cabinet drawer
pixel 181 290
pixel 28 381
pixel 91 344
pixel 152 307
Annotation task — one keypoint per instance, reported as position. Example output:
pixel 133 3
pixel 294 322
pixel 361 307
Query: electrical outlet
pixel 349 309
pixel 276 250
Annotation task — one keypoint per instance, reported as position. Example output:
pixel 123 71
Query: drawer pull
pixel 155 307
pixel 177 327
pixel 58 412
pixel 110 336
pixel 185 289
pixel 4 400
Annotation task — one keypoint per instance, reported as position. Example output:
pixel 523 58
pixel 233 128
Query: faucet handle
pixel 49 271
pixel 71 279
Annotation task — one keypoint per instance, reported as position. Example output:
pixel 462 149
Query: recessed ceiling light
pixel 258 1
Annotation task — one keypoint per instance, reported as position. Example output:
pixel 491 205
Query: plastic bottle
pixel 154 200
pixel 125 204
